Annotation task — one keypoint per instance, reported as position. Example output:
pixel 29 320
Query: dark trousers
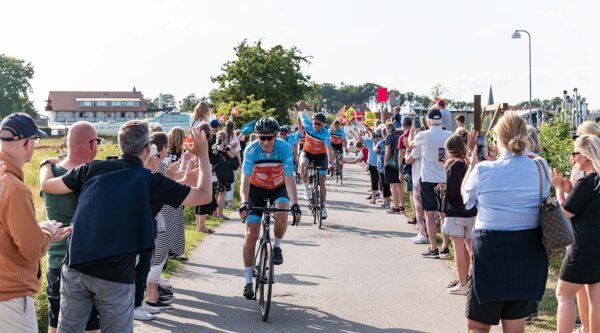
pixel 141 274
pixel 385 187
pixel 374 178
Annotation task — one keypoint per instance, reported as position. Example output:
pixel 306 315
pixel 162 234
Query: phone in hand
pixel 482 147
pixel 417 122
pixel 441 154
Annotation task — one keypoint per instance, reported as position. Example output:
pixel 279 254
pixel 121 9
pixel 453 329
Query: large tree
pixel 273 75
pixel 15 75
pixel 188 103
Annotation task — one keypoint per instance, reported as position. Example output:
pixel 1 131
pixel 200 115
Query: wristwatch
pixel 46 161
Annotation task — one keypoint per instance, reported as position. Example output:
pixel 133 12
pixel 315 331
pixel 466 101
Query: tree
pixel 15 75
pixel 272 75
pixel 169 102
pixel 438 90
pixel 248 109
pixel 188 103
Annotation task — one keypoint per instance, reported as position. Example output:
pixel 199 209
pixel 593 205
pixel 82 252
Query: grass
pixel 53 147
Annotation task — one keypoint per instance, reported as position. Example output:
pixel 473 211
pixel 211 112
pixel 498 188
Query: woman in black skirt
pixel 581 265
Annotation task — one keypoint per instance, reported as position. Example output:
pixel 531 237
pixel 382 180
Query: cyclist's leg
pixel 322 162
pixel 303 164
pixel 280 199
pixel 253 224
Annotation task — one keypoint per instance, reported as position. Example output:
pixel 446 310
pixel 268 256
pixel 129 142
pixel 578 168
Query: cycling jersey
pixel 291 139
pixel 267 171
pixel 338 136
pixel 315 142
pixel 299 137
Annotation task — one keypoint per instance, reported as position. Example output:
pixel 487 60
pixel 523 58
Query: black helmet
pixel 284 129
pixel 266 125
pixel 320 116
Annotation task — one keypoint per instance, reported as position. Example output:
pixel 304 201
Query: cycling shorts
pixel 257 196
pixel 318 159
pixel 337 147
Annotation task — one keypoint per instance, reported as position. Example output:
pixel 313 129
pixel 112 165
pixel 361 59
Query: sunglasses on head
pixel 266 137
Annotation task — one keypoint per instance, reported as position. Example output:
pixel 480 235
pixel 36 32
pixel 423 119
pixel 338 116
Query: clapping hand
pixel 55 229
pixel 200 147
pixel 558 180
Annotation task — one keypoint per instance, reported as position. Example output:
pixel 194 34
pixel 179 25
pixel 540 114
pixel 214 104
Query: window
pixel 123 103
pixel 80 114
pixel 122 113
pixel 94 103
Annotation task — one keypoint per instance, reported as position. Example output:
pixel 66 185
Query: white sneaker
pixel 139 314
pixel 150 309
pixel 420 239
pixel 323 213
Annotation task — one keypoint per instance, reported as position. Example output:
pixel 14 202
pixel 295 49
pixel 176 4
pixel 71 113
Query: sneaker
pixel 452 283
pixel 420 239
pixel 165 299
pixel 139 314
pixel 369 197
pixel 385 206
pixel 164 291
pixel 249 291
pixel 432 254
pixel 158 305
pixel 412 221
pixel 323 213
pixel 150 309
pixel 277 256
pixel 445 253
pixel 164 283
pixel 394 210
pixel 458 290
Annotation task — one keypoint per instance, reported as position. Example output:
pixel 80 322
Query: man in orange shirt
pixel 23 242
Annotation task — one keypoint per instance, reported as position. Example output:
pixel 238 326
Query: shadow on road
pixel 284 278
pixel 352 206
pixel 284 241
pixel 366 232
pixel 236 314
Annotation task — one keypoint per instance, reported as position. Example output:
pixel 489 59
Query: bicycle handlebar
pixel 269 209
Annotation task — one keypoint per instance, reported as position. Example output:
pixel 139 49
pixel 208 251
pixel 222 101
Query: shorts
pixel 492 312
pixel 338 148
pixel 429 198
pixel 319 160
pixel 257 196
pixel 53 292
pixel 392 176
pixel 458 226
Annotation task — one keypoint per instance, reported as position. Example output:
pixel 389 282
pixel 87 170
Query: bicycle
pixel 337 167
pixel 315 204
pixel 264 268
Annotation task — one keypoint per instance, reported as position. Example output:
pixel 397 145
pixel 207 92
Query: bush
pixel 556 143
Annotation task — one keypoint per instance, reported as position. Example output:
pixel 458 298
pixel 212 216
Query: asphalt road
pixel 360 274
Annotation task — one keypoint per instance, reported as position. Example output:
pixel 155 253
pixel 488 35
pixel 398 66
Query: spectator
pixel 460 121
pixel 225 153
pixel 458 222
pixel 446 115
pixel 82 144
pixel 427 146
pixel 113 223
pixel 424 123
pixel 510 264
pixel 463 133
pixel 156 128
pixel 236 146
pixel 201 113
pixel 175 137
pixel 368 142
pixel 406 168
pixel 392 170
pixel 397 119
pixel 415 165
pixel 384 186
pixel 532 135
pixel 211 207
pixel 253 137
pixel 173 216
pixel 23 243
pixel 581 267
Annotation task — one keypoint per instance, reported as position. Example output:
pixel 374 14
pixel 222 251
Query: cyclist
pixel 338 141
pixel 316 149
pixel 291 139
pixel 267 172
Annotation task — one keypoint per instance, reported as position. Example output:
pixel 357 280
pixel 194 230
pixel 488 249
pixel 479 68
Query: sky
pixel 175 46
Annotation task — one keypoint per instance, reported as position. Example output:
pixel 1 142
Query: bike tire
pixel 341 176
pixel 266 274
pixel 319 207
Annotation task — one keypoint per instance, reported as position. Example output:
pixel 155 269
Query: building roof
pixel 301 106
pixel 67 101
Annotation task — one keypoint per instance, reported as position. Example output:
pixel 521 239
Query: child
pixel 458 222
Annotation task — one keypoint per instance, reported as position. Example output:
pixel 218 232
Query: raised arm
pixel 202 193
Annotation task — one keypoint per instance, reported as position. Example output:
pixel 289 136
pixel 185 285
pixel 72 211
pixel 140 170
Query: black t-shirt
pixel 164 191
pixel 584 202
pixel 453 201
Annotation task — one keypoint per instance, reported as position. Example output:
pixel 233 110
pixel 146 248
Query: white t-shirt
pixel 233 140
pixel 428 144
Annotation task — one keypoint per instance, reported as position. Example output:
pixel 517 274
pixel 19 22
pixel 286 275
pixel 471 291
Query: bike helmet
pixel 284 129
pixel 320 116
pixel 266 125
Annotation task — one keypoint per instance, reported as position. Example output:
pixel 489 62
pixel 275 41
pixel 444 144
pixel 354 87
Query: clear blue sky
pixel 175 46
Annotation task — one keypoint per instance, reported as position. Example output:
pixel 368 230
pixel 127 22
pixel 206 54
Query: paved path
pixel 360 274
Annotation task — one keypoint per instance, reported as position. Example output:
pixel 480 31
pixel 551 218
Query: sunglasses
pixel 35 139
pixel 316 123
pixel 575 153
pixel 98 141
pixel 266 137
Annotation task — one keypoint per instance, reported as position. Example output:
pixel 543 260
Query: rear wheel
pixel 265 280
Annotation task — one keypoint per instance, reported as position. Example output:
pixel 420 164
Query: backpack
pixel 393 162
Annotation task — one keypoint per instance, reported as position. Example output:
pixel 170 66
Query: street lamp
pixel 517 35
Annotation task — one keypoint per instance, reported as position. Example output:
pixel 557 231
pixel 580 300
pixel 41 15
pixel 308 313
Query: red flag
pixel 234 111
pixel 222 118
pixel 357 115
pixel 344 120
pixel 382 95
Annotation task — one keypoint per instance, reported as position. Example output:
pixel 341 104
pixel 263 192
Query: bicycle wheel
pixel 319 206
pixel 265 278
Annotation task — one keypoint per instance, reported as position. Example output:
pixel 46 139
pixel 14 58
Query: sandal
pixel 206 230
pixel 181 258
pixel 452 284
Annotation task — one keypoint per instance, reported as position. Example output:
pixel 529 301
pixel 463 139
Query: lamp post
pixel 517 35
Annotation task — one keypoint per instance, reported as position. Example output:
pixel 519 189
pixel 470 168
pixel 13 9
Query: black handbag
pixel 224 172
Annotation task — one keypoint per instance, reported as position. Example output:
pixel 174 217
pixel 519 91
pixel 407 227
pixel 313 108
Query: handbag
pixel 224 172
pixel 557 231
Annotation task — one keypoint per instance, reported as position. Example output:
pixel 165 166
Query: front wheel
pixel 264 280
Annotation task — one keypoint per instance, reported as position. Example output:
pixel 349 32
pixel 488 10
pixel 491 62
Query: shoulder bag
pixel 557 231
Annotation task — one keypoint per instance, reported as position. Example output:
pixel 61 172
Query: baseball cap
pixel 434 114
pixel 215 123
pixel 21 126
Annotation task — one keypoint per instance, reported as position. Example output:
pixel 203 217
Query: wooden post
pixel 477 113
